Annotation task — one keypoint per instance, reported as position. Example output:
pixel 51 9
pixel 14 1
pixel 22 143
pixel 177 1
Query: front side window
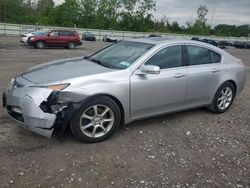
pixel 120 55
pixel 167 58
pixel 198 55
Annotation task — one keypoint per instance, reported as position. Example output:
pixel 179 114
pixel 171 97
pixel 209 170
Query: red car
pixel 56 38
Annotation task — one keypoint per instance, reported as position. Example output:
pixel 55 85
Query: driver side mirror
pixel 48 34
pixel 150 69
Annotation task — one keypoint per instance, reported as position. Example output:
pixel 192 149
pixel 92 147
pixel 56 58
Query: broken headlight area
pixel 53 105
pixel 61 109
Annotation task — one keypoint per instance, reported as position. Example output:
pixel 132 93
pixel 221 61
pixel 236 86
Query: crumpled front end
pixel 24 105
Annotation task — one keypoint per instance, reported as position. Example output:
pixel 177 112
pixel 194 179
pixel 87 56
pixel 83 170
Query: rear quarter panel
pixel 233 71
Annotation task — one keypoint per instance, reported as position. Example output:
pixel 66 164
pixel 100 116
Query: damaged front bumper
pixel 24 105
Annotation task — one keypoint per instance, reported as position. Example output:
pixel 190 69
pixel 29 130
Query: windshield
pixel 120 55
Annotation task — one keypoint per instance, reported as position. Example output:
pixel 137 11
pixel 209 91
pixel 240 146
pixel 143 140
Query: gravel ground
pixel 189 149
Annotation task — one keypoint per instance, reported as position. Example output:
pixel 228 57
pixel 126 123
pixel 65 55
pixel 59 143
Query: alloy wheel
pixel 40 44
pixel 225 98
pixel 96 121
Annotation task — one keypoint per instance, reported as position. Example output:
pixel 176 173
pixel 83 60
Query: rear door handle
pixel 179 75
pixel 214 70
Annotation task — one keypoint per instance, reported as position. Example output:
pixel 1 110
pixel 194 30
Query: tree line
pixel 126 15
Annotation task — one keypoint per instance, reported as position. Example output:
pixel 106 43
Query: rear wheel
pixel 223 98
pixel 71 45
pixel 97 120
pixel 40 44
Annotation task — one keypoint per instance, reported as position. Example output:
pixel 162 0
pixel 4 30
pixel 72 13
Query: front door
pixel 161 93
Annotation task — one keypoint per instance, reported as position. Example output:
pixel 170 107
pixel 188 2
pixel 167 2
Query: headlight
pixel 58 87
pixel 11 84
pixel 32 38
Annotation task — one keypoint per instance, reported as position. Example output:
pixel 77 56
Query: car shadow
pixel 48 48
pixel 140 124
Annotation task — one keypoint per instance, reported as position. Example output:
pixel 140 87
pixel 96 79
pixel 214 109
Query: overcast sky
pixel 220 11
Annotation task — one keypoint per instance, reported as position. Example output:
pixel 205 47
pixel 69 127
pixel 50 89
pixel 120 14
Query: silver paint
pixel 141 94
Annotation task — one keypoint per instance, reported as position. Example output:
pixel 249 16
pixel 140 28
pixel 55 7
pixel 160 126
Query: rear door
pixel 53 39
pixel 204 70
pixel 64 38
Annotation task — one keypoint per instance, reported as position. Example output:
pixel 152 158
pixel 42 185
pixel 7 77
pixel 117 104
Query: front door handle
pixel 214 70
pixel 179 75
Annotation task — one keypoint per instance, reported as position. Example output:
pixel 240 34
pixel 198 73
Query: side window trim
pixel 209 49
pixel 164 47
pixel 212 51
pixel 187 55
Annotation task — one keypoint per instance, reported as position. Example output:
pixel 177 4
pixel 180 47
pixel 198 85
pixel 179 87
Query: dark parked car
pixel 241 45
pixel 195 38
pixel 56 38
pixel 213 42
pixel 154 35
pixel 88 36
pixel 210 41
pixel 225 43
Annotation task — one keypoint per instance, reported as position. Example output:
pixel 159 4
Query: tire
pixel 223 98
pixel 71 45
pixel 89 125
pixel 40 44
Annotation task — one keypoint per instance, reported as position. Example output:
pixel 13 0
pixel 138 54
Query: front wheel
pixel 40 45
pixel 223 98
pixel 97 120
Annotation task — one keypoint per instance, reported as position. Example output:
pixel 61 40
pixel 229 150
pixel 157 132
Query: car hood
pixel 63 70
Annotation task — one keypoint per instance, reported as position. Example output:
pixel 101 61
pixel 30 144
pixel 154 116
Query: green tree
pixel 88 11
pixel 67 14
pixel 45 12
pixel 135 15
pixel 107 14
pixel 12 11
pixel 200 26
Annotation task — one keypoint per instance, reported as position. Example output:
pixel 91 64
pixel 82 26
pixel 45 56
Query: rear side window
pixel 67 33
pixel 63 33
pixel 215 57
pixel 167 58
pixel 198 55
pixel 71 33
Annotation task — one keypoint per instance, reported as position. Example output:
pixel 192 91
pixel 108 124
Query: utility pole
pixel 5 13
pixel 5 16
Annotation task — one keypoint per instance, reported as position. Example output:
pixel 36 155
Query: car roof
pixel 58 30
pixel 164 40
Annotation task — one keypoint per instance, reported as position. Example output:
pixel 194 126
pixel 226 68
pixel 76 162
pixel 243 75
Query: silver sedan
pixel 127 81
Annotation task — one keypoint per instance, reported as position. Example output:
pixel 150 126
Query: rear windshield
pixel 120 55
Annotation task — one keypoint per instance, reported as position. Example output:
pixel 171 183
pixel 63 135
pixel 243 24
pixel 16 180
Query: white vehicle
pixel 109 38
pixel 25 37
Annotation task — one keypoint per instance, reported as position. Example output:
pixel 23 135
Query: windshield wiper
pixel 96 61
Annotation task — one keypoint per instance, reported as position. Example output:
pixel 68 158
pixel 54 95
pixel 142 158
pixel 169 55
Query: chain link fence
pixel 18 29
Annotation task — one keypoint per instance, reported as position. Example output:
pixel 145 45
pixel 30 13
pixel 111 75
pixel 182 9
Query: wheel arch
pixel 40 40
pixel 220 84
pixel 117 101
pixel 234 84
pixel 73 109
